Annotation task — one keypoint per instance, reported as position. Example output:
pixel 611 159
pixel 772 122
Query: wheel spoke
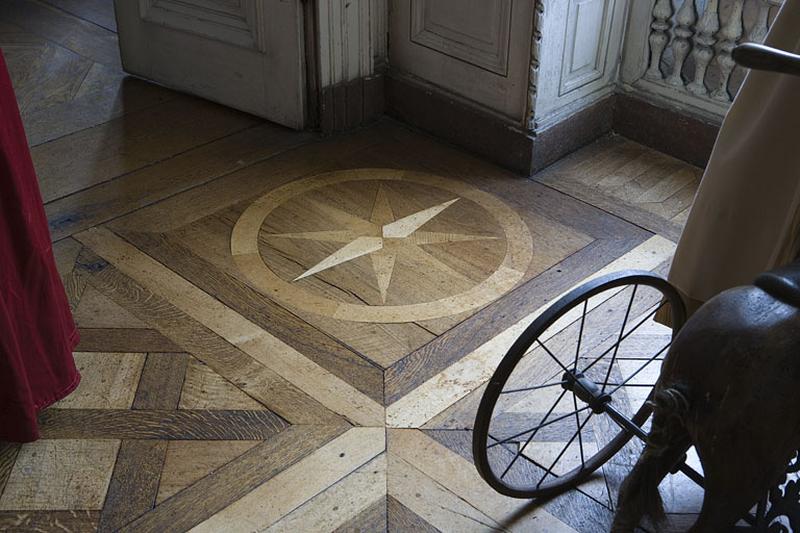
pixel 537 387
pixel 625 382
pixel 540 426
pixel 578 426
pixel 555 461
pixel 637 326
pixel 580 334
pixel 519 452
pixel 565 369
pixel 619 339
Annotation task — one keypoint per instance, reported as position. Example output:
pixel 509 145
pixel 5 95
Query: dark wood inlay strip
pixel 134 483
pixel 124 340
pixel 161 382
pixel 158 424
pixel 8 456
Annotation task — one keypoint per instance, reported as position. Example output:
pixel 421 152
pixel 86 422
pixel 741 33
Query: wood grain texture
pixel 453 471
pixel 300 482
pixel 251 377
pixel 196 203
pixel 83 38
pixel 97 311
pixel 8 455
pixel 205 389
pixel 372 519
pixel 234 480
pixel 401 518
pixel 162 381
pixel 116 340
pixel 159 424
pixel 134 483
pixel 641 185
pixel 100 12
pixel 108 381
pixel 151 135
pixel 65 252
pixel 574 508
pixel 357 502
pixel 43 479
pixel 60 91
pixel 140 188
pixel 38 521
pixel 188 461
pixel 432 502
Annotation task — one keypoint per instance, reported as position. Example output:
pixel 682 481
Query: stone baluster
pixel 680 43
pixel 729 37
pixel 662 11
pixel 760 26
pixel 703 50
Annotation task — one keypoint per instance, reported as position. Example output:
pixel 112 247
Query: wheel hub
pixel 586 390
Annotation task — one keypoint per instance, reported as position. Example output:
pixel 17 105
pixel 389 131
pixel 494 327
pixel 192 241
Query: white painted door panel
pixel 247 54
pixel 475 49
pixel 579 55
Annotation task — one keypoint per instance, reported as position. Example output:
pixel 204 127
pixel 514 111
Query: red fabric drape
pixel 37 333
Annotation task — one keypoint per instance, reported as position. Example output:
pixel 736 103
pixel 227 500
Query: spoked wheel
pixel 557 406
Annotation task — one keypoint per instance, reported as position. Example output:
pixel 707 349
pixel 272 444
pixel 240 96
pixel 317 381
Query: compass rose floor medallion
pixel 428 246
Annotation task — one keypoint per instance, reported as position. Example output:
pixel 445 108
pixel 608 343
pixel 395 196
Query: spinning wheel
pixel 572 390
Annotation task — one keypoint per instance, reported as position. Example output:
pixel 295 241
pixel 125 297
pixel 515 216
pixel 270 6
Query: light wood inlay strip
pixel 459 475
pixel 341 503
pixel 456 381
pixel 320 384
pixel 297 484
pixel 432 502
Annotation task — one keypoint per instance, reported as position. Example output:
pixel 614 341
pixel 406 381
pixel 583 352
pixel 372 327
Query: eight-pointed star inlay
pixel 384 239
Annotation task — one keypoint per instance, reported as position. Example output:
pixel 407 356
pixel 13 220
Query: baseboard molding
pixel 351 104
pixel 666 130
pixel 460 124
pixel 575 131
pixel 490 136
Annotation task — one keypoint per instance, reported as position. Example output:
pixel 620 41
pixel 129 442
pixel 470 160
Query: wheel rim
pixel 521 444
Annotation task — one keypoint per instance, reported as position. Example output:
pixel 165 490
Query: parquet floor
pixel 281 332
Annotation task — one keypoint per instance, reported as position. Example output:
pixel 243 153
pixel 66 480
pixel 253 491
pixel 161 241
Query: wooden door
pixel 247 54
pixel 475 49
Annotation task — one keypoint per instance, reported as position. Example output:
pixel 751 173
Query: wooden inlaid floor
pixel 290 333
